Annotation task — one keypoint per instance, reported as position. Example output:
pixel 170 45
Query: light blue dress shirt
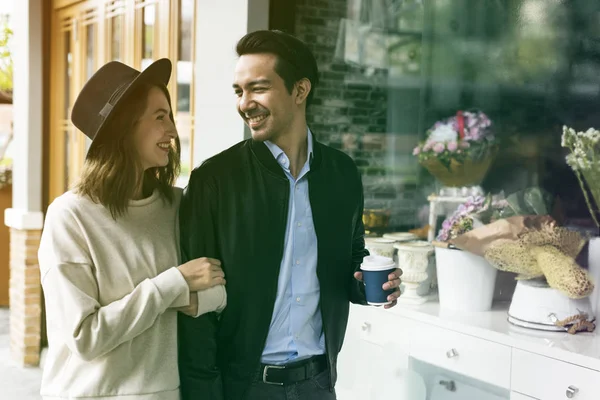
pixel 296 329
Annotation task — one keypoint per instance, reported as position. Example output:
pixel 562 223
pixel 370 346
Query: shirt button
pixel 299 223
pixel 297 299
pixel 297 262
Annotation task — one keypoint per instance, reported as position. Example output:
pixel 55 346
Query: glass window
pixel 67 127
pixel 391 69
pixel 116 33
pixel 90 61
pixel 115 15
pixel 68 57
pixel 183 102
pixel 148 37
pixel 90 46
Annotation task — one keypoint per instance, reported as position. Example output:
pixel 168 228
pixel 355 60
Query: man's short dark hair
pixel 294 59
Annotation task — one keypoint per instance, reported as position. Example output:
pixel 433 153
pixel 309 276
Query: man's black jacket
pixel 235 209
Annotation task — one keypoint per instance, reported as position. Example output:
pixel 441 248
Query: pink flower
pixel 428 146
pixel 438 147
pixel 452 146
pixel 416 151
pixel 464 144
pixel 474 133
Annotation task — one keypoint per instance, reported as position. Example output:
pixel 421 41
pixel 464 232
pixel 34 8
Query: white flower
pixel 444 133
pixel 592 135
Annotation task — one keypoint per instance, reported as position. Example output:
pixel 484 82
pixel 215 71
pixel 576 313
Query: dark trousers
pixel 315 388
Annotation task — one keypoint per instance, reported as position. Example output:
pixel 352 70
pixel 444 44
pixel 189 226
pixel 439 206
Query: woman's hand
pixel 202 273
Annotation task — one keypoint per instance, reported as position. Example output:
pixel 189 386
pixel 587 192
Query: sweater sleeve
pixel 88 328
pixel 212 299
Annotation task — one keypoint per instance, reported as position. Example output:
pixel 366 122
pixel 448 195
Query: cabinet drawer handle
pixel 572 391
pixel 365 326
pixel 449 385
pixel 452 353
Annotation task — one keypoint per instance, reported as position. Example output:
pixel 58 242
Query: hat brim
pixel 157 72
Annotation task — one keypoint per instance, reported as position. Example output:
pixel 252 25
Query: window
pixel 391 68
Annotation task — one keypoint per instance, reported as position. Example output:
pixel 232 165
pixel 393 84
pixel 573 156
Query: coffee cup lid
pixel 377 263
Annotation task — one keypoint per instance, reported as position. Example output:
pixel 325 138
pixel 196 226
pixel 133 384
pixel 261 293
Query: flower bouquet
pixel 518 235
pixel 584 160
pixel 459 150
pixel 456 269
pixel 465 218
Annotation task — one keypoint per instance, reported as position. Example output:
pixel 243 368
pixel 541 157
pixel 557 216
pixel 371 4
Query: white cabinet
pixel 376 325
pixel 362 359
pixel 377 353
pixel 467 355
pixel 421 354
pixel 357 366
pixel 549 379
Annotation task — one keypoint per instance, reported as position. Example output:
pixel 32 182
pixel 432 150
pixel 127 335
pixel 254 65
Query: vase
pixel 380 247
pixel 429 284
pixel 535 305
pixel 414 260
pixel 457 174
pixel 465 281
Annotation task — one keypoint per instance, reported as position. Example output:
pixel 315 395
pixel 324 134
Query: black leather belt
pixel 293 372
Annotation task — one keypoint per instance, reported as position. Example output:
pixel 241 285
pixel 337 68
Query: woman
pixel 110 249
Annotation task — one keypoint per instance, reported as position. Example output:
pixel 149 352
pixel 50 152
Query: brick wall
pixel 25 297
pixel 350 113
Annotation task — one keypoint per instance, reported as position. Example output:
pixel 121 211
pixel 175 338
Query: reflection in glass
pixel 396 67
pixel 148 25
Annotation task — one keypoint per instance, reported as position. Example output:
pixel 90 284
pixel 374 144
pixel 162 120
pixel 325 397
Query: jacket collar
pixel 265 157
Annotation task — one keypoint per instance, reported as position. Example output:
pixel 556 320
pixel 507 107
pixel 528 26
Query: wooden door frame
pixel 165 45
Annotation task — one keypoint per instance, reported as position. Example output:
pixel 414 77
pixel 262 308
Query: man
pixel 283 213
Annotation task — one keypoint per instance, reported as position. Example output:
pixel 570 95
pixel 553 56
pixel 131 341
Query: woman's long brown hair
pixel 112 170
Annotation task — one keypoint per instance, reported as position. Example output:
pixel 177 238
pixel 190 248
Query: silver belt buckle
pixel 267 367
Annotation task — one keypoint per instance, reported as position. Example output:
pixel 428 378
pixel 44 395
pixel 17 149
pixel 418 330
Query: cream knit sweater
pixel 110 288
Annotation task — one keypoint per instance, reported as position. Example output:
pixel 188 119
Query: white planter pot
pixel 594 269
pixel 414 260
pixel 535 305
pixel 380 247
pixel 465 281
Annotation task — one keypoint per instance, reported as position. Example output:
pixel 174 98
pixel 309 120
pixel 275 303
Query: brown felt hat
pixel 104 91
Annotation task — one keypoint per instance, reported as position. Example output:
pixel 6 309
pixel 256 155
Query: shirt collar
pixel 280 155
